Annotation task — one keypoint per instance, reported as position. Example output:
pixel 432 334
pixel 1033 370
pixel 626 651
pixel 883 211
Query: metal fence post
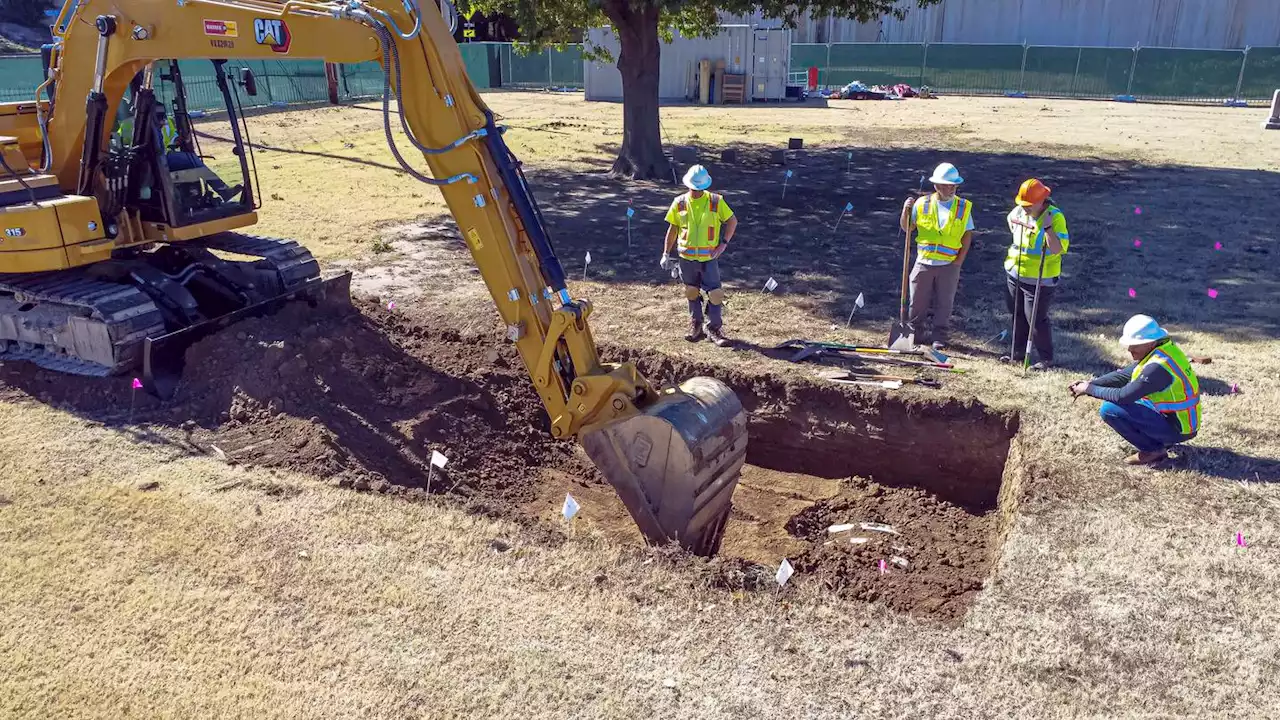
pixel 1076 74
pixel 1244 62
pixel 1022 74
pixel 827 68
pixel 1133 68
pixel 924 62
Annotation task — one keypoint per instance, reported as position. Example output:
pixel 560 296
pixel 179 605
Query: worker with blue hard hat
pixel 700 228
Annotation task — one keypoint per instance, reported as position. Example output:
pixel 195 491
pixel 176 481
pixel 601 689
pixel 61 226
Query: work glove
pixel 665 262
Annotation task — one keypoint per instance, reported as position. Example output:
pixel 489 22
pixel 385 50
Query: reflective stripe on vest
pixel 1182 397
pixel 698 248
pixel 937 243
pixel 1029 244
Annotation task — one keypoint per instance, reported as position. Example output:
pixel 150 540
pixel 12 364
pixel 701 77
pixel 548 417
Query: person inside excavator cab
pixel 186 169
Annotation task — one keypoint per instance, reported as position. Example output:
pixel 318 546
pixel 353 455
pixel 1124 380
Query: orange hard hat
pixel 1032 192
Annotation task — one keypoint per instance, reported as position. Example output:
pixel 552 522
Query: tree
pixel 641 25
pixel 29 13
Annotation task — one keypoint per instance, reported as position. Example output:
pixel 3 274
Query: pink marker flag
pixel 1217 246
pixel 1235 389
pixel 1137 211
pixel 1212 293
pixel 137 384
pixel 1137 242
pixel 1240 540
pixel 391 305
pixel 882 568
pixel 1133 293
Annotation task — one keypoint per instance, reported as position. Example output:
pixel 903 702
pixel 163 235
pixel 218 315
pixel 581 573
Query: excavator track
pixel 74 323
pixel 97 323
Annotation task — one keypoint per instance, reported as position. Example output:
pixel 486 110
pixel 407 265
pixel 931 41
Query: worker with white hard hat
pixel 1153 403
pixel 701 226
pixel 943 222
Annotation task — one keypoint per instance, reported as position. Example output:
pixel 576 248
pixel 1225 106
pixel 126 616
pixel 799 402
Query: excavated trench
pixel 365 397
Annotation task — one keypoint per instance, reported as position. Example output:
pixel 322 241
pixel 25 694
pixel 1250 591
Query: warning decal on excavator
pixel 474 238
pixel 272 32
pixel 221 28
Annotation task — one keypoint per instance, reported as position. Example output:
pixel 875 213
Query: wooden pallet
pixel 735 87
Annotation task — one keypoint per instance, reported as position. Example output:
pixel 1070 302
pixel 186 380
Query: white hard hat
pixel 697 178
pixel 1142 329
pixel 946 174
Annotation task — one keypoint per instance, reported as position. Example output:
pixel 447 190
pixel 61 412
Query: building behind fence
pixel 1162 74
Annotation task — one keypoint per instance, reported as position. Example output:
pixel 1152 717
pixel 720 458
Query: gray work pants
pixel 698 276
pixel 933 287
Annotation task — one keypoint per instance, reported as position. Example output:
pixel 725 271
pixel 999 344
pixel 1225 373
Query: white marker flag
pixel 588 257
pixel 438 460
pixel 571 507
pixel 785 571
pixel 770 285
pixel 860 302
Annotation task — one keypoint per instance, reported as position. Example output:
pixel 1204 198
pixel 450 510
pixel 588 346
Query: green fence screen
pixel 1162 74
pixel 489 65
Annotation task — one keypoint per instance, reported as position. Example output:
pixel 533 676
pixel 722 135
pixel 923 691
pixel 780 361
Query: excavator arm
pixel 673 455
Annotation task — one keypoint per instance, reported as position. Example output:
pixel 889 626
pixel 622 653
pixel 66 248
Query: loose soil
pixel 365 396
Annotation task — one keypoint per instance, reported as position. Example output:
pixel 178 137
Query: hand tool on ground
pixel 886 384
pixel 799 344
pixel 1035 307
pixel 917 363
pixel 901 337
pixel 847 374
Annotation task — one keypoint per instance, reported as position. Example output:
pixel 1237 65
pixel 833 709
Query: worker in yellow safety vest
pixel 1033 268
pixel 700 228
pixel 943 223
pixel 1153 403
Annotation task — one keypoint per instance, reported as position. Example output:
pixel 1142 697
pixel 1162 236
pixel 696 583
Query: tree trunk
pixel 641 156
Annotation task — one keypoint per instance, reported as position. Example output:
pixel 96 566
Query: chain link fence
pixel 289 82
pixel 1159 74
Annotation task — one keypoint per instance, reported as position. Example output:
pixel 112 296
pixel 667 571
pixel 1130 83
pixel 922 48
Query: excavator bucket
pixel 676 464
pixel 164 357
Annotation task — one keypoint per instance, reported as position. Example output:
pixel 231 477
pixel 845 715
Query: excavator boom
pixel 673 455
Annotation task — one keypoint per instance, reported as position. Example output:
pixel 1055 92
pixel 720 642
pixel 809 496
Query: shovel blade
pixel 901 337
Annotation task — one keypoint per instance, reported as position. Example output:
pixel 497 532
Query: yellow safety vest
pixel 941 243
pixel 1029 243
pixel 1182 397
pixel 699 234
pixel 168 132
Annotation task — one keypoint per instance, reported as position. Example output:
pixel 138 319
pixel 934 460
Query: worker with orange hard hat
pixel 1034 268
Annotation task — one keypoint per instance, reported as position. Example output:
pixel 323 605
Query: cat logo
pixel 274 33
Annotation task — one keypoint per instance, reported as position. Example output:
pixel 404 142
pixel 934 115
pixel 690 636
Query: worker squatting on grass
pixel 701 226
pixel 943 222
pixel 1153 403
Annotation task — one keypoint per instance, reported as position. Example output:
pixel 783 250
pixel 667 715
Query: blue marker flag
pixel 630 212
pixel 788 173
pixel 848 207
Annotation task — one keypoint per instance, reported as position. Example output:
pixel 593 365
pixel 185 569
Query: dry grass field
pixel 246 590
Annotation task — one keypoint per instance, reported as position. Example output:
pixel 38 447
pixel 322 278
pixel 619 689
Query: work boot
pixel 1147 458
pixel 695 331
pixel 716 337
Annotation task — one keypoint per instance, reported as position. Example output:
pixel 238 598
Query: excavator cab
pixel 177 183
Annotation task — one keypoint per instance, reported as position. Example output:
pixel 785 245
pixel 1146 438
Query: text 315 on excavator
pixel 116 233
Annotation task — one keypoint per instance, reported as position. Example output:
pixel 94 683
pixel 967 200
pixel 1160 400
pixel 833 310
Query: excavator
pixel 121 245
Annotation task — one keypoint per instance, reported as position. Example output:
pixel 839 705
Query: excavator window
pixel 177 183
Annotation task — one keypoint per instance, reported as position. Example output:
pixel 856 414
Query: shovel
pixel 901 336
pixel 930 353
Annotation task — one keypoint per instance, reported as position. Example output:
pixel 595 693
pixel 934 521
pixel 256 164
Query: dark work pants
pixel 1019 298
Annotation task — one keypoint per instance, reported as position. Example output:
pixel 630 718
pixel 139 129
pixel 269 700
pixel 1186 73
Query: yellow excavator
pixel 121 245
